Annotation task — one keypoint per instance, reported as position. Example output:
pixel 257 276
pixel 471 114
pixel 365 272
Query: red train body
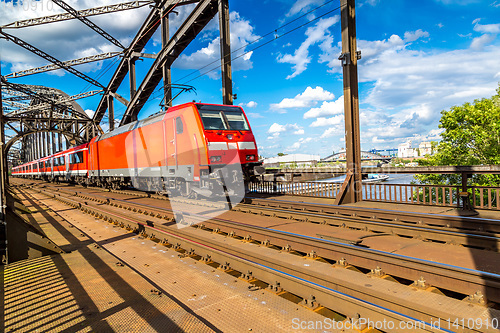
pixel 190 149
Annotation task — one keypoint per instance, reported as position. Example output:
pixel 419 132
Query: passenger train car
pixel 193 148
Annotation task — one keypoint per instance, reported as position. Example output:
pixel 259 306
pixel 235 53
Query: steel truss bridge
pixel 42 120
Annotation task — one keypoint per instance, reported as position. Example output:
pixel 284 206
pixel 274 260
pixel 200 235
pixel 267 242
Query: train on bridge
pixel 193 149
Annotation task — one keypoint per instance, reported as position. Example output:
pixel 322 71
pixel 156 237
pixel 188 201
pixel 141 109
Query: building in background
pixel 406 151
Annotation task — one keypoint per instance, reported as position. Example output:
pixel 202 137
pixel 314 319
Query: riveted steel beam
pixel 73 62
pixel 149 27
pixel 50 58
pixel 195 22
pixel 81 13
pixel 88 23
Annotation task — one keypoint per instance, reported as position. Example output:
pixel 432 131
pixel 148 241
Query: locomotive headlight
pixel 229 136
pixel 214 159
pixel 250 157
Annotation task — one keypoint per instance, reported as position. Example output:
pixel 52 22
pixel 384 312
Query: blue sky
pixel 419 57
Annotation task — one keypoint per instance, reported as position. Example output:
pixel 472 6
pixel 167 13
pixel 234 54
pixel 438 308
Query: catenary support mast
pixel 351 189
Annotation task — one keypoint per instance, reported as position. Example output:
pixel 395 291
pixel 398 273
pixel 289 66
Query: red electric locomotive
pixel 192 149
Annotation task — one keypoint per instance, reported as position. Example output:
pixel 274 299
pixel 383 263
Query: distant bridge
pixel 365 156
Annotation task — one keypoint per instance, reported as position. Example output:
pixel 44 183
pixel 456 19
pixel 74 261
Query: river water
pixel 395 178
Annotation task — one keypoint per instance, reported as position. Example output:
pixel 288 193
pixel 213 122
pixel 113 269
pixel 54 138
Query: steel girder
pixel 73 62
pixel 88 23
pixel 50 58
pixel 60 101
pixel 196 21
pixel 81 13
pixel 142 37
pixel 75 130
pixel 51 110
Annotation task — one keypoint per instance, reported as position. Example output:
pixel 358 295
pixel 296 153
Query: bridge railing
pixel 310 189
pixel 433 195
pixel 483 197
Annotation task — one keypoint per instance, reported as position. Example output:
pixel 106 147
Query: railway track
pixel 469 232
pixel 423 274
pixel 349 281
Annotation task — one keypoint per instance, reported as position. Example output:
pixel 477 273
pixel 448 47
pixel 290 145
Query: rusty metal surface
pixel 356 289
pixel 449 276
pixel 209 293
pixel 472 233
pixel 411 214
pixel 84 291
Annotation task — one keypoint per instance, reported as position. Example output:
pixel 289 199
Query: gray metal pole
pixel 166 72
pixel 131 75
pixel 225 52
pixel 111 113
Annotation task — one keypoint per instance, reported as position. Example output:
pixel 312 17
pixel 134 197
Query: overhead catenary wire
pixel 264 36
pixel 274 31
pixel 266 43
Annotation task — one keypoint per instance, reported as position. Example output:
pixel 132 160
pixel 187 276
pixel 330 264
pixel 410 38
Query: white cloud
pixel 480 42
pixel 326 109
pixel 411 36
pixel 321 121
pixel 298 144
pixel 371 51
pixel 276 129
pixel 241 34
pixel 251 104
pixel 301 6
pixel 406 89
pixel 308 98
pixel 90 113
pixel 332 131
pixel 486 28
pixel 458 2
pixel 315 35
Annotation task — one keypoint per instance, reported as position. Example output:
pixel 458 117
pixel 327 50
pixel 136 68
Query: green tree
pixel 471 136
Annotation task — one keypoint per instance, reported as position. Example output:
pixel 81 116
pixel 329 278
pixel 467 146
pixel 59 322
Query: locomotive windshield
pixel 224 120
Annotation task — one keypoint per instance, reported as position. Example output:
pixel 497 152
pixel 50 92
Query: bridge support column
pixel 225 53
pixel 351 189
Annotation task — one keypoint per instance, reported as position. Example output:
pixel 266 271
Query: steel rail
pixel 455 236
pixel 315 213
pixel 274 266
pixel 476 239
pixel 447 277
pixel 448 221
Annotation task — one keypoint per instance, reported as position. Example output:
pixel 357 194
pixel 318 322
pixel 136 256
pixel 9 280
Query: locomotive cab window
pixel 236 120
pixel 224 120
pixel 213 120
pixel 179 127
